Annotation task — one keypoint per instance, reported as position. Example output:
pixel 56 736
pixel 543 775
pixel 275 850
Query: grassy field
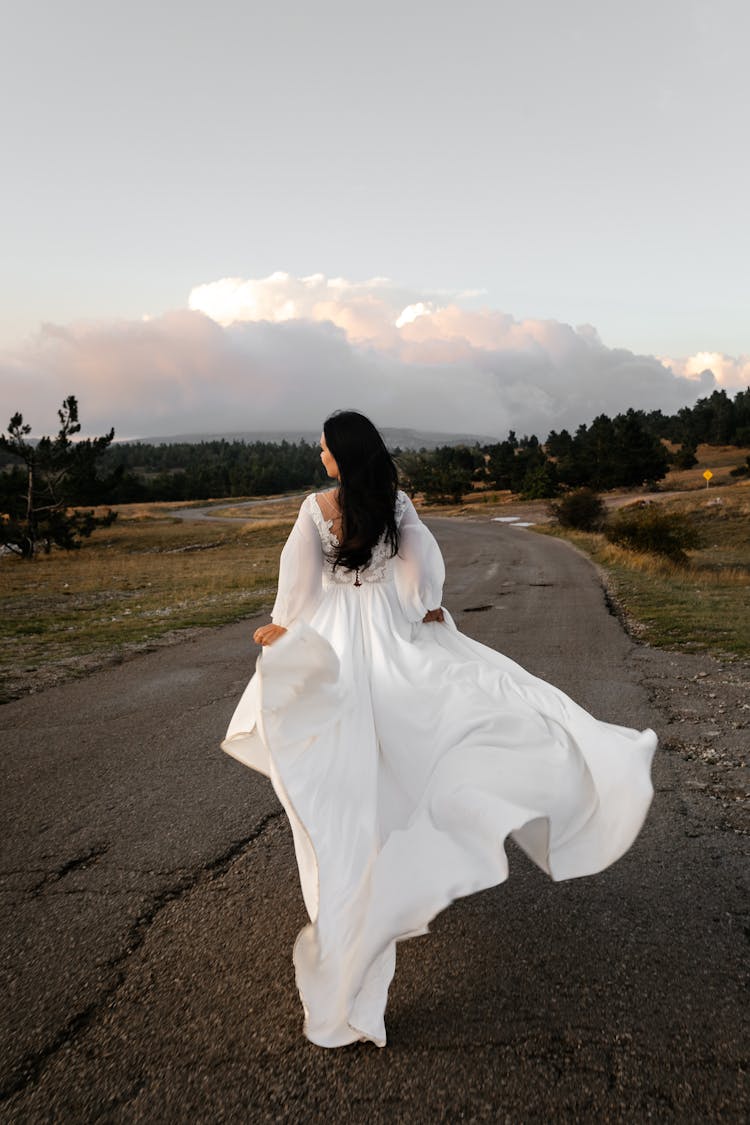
pixel 151 578
pixel 703 607
pixel 140 582
pixel 720 459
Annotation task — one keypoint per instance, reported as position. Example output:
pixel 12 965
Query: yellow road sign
pixel 707 475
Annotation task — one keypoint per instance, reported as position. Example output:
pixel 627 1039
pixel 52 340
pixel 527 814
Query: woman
pixel 402 751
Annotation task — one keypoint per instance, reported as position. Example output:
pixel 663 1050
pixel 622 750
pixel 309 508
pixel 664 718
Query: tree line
pixel 608 453
pixel 139 472
pixel 41 482
pixel 714 420
pixel 621 452
pixel 207 469
pixel 45 484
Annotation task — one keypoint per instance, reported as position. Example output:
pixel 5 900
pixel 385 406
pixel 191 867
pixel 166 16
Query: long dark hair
pixel 368 483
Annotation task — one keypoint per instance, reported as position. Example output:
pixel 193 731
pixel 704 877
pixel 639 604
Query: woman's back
pixel 327 517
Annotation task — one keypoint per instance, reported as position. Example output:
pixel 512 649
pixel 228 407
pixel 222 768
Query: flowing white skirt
pixel 404 755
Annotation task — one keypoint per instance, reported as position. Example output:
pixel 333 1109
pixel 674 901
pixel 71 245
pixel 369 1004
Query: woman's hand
pixel 267 634
pixel 433 615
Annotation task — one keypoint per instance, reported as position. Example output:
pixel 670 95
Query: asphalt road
pixel 198 515
pixel 150 903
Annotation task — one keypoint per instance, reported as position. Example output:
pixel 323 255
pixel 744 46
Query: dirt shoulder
pixel 706 704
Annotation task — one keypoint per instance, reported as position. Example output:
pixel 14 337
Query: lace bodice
pixel 377 568
pixel 306 574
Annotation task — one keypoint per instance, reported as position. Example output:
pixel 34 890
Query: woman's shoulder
pixel 402 503
pixel 322 509
pixel 322 498
pixel 326 501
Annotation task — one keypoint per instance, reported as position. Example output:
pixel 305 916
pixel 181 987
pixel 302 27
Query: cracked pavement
pixel 150 900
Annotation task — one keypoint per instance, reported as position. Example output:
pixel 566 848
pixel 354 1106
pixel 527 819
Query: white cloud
pixel 411 312
pixel 282 352
pixel 730 372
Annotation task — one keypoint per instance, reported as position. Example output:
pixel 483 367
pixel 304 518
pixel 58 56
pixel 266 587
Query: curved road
pixel 536 509
pixel 151 902
pixel 199 515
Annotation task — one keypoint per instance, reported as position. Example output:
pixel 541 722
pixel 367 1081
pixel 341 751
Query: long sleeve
pixel 418 569
pixel 300 572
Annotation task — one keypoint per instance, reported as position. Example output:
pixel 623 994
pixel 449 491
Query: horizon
pixel 309 435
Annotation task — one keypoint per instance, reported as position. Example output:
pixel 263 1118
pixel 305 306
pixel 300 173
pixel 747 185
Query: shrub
pixel 647 527
pixel 582 509
pixel 684 457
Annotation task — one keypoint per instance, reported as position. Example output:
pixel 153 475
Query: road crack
pixel 29 1069
pixel 75 863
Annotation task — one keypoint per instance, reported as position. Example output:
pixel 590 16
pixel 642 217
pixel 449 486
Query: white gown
pixel 404 754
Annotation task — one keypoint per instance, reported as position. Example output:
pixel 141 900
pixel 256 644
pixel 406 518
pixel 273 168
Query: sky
pixel 486 215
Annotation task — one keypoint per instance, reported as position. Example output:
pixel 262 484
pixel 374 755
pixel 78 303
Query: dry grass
pixel 720 459
pixel 704 606
pixel 274 510
pixel 479 504
pixel 146 578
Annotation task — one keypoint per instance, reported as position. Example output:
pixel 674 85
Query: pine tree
pixel 39 512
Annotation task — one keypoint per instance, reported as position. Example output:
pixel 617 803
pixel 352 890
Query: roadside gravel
pixel 706 703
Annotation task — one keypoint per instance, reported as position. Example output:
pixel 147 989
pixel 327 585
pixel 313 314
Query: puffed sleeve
pixel 300 571
pixel 418 569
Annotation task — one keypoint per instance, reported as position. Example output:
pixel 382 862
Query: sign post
pixel 707 477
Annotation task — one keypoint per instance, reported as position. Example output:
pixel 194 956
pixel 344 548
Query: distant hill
pixel 402 438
